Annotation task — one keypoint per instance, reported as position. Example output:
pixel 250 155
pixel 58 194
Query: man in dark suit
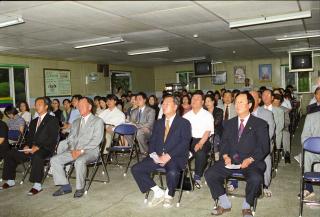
pixel 315 107
pixel 245 143
pixel 41 142
pixel 170 143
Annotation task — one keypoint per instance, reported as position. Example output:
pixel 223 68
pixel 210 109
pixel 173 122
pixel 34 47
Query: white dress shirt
pixel 113 117
pixel 245 120
pixel 200 122
pixel 268 107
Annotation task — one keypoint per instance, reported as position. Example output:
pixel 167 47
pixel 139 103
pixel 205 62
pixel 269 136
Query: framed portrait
pixel 265 72
pixel 239 73
pixel 219 78
pixel 57 82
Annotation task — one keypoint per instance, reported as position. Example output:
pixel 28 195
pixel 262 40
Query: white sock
pixel 158 192
pixel 37 186
pixel 166 194
pixel 11 182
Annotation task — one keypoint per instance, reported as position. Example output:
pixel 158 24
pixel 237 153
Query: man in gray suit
pixel 143 117
pixel 311 128
pixel 83 147
pixel 229 110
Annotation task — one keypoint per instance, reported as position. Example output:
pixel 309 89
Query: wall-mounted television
pixel 202 69
pixel 300 61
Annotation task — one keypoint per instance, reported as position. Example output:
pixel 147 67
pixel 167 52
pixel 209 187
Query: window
pixel 188 80
pixel 13 85
pixel 301 81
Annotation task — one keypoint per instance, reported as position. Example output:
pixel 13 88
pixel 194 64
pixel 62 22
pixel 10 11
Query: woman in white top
pixel 24 111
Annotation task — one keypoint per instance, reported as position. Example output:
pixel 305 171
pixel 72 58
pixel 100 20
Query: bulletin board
pixel 57 82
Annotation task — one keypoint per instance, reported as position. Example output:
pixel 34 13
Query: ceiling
pixel 53 28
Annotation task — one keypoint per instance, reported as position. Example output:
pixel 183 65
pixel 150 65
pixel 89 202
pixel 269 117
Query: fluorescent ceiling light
pixel 189 59
pixel 146 51
pixel 270 19
pixel 297 37
pixel 104 42
pixel 15 21
pixel 216 62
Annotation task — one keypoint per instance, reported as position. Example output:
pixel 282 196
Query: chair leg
pixel 161 180
pixel 27 171
pixel 129 162
pixel 46 173
pixel 301 197
pixel 95 169
pixel 190 176
pixel 180 188
pixel 104 166
pixel 70 171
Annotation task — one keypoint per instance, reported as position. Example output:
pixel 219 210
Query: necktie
pixel 38 123
pixel 166 131
pixel 226 113
pixel 240 129
pixel 139 116
pixel 82 123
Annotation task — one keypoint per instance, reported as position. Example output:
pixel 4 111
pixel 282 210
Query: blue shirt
pixel 74 115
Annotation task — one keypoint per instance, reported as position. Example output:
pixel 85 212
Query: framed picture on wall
pixel 265 72
pixel 239 73
pixel 219 78
pixel 57 82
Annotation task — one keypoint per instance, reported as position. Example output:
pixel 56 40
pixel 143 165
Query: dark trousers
pixel 14 158
pixel 142 171
pixel 201 156
pixel 216 175
pixel 4 148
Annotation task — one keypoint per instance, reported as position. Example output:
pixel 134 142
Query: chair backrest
pixel 312 144
pixel 126 129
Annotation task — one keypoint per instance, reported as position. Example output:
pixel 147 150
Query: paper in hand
pixel 23 150
pixel 155 157
pixel 233 166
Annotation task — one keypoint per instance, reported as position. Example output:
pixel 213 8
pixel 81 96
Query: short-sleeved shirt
pixel 200 122
pixel 4 133
pixel 16 123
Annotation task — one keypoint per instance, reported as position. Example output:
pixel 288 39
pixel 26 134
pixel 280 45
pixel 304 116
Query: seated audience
pixel 96 101
pixel 170 142
pixel 15 122
pixel 74 114
pixel 245 142
pixel 315 107
pixel 229 110
pixel 103 103
pixel 41 143
pixel 112 117
pixel 202 125
pixel 143 117
pixel 82 147
pixel 24 112
pixel 133 106
pixel 4 144
pixel 185 105
pixel 153 103
pixel 66 111
pixel 55 105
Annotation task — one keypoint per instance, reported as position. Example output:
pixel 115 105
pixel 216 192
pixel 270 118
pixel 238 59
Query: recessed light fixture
pixel 233 51
pixel 11 22
pixel 189 59
pixel 147 51
pixel 98 43
pixel 195 35
pixel 294 37
pixel 270 19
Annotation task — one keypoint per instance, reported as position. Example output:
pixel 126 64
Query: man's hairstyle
pixel 89 100
pixel 66 100
pixel 271 92
pixel 278 97
pixel 111 97
pixel 198 92
pixel 143 95
pixel 176 100
pixel 103 99
pixel 96 98
pixel 316 90
pixel 76 96
pixel 44 99
pixel 249 98
pixel 227 91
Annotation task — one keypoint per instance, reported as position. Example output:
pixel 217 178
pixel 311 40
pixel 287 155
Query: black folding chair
pixel 312 145
pixel 95 164
pixel 162 171
pixel 117 145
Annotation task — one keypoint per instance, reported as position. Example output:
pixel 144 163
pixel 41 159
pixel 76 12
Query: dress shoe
pixel 6 186
pixel 33 192
pixel 247 213
pixel 219 210
pixel 60 192
pixel 287 158
pixel 78 193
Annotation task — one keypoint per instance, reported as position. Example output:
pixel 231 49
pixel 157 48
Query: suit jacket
pixel 254 141
pixel 218 119
pixel 278 115
pixel 311 126
pixel 313 108
pixel 267 115
pixel 87 138
pixel 177 143
pixel 147 117
pixel 46 136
